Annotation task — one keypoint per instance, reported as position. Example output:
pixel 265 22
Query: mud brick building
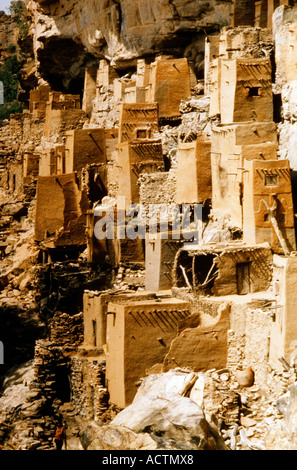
pixel 268 205
pixel 160 252
pixel 52 161
pixel 135 89
pixel 60 219
pixel 138 150
pixel 117 249
pixel 106 74
pixel 82 147
pixel 89 147
pixel 30 167
pixel 169 85
pixel 134 158
pixel 95 309
pixel 242 90
pixel 138 121
pixel 231 146
pixel 90 89
pixel 133 327
pixel 193 180
pixel 39 98
pixel 244 42
pixel 165 81
pixel 226 269
pixel 63 113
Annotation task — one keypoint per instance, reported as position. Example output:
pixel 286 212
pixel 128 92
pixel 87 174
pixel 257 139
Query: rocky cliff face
pixel 284 29
pixel 70 34
pixel 8 36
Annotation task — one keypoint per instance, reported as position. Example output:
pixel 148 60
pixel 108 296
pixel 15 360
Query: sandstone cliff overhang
pixel 69 35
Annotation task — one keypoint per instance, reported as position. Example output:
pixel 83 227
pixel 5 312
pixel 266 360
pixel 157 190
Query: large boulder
pixel 162 417
pixel 111 437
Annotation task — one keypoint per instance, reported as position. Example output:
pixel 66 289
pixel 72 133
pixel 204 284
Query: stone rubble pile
pixel 240 418
pixel 255 417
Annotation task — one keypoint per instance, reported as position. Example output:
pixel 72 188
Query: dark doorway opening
pixel 63 389
pixel 243 278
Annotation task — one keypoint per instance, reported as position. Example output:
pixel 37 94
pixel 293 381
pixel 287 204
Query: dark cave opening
pixel 63 388
pixel 63 63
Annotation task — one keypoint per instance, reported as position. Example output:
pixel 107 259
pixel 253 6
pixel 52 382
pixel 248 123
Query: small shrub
pixel 18 8
pixel 10 108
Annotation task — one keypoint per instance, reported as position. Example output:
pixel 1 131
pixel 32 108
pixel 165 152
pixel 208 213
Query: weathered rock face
pixel 284 29
pixel 284 23
pixel 69 35
pixel 112 437
pixel 8 35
